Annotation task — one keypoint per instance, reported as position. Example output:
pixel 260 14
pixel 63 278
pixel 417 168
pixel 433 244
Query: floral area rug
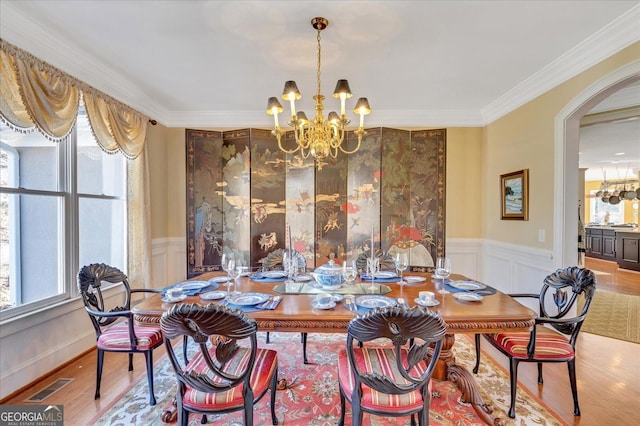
pixel 312 396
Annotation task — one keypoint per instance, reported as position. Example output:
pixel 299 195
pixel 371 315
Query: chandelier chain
pixel 319 59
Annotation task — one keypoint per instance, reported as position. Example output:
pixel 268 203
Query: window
pixel 62 205
pixel 605 213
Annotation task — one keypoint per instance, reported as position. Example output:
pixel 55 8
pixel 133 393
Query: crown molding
pixel 620 33
pixel 56 50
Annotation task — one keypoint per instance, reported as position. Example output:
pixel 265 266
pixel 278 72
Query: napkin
pixel 271 303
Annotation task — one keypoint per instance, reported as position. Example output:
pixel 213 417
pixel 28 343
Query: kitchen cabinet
pixel 628 250
pixel 600 243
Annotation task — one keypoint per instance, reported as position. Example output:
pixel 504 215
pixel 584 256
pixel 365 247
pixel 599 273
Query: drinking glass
pixel 234 272
pixel 289 264
pixel 227 263
pixel 349 271
pixel 442 272
pixel 402 263
pixel 372 269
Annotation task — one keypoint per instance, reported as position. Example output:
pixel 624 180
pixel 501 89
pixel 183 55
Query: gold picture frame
pixel 514 190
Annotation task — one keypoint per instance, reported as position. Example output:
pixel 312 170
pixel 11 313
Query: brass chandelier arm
pixel 319 137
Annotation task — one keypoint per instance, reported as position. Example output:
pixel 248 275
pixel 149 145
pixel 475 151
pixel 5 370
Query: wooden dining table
pixel 295 313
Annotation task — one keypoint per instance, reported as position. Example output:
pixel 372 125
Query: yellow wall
pixel 524 139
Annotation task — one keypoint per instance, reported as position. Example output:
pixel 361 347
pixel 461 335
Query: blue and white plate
pixel 273 274
pixel 194 285
pixel 174 299
pixel 371 301
pixel 468 297
pixel 221 279
pixel 467 285
pixel 248 299
pixel 213 295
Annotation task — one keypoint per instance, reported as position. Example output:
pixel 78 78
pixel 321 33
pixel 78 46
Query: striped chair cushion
pixel 117 337
pixel 383 361
pixel 549 344
pixel 264 368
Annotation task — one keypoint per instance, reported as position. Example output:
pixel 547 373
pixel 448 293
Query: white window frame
pixel 68 250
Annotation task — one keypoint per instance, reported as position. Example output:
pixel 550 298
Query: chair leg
pixel 185 344
pixel 513 376
pixel 131 362
pixel 475 369
pixel 267 339
pixel 273 386
pixel 540 373
pixel 303 337
pixel 343 409
pixel 148 355
pixel 99 373
pixel 574 389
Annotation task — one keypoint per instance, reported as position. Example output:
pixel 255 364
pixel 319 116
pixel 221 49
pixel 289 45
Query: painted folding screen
pixel 243 194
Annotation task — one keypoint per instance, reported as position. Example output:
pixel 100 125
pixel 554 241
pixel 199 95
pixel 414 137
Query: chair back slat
pixel 227 363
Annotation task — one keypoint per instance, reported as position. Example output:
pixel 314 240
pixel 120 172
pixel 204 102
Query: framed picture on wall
pixel 515 195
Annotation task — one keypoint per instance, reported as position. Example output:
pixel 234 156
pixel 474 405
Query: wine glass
pixel 402 263
pixel 350 272
pixel 227 263
pixel 373 263
pixel 442 272
pixel 234 272
pixel 289 264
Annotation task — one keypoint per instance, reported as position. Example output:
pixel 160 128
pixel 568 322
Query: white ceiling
pixel 213 64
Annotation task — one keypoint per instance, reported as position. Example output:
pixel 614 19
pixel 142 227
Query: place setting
pixel 252 301
pixel 180 291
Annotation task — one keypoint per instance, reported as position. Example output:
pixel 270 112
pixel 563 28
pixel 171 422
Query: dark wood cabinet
pixel 628 250
pixel 601 243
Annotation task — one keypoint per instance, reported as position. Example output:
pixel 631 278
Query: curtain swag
pixel 37 96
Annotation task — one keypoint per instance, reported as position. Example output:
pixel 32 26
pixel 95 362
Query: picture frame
pixel 514 199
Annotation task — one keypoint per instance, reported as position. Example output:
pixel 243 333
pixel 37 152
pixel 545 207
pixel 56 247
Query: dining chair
pixel 553 339
pixel 223 376
pixel 391 379
pixel 274 261
pixel 114 325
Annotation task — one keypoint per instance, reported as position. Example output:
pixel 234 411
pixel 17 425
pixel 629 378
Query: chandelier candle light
pixel 320 137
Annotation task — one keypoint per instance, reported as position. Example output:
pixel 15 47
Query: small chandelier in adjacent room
pixel 319 137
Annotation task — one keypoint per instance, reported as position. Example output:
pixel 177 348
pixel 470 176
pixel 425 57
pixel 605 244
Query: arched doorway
pixel 567 126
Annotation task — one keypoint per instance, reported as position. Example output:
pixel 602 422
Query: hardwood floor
pixel 608 373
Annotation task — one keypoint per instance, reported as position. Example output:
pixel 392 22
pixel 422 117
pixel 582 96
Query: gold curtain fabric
pixel 35 95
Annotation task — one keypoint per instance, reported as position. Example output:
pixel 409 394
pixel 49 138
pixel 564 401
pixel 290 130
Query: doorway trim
pixel 566 146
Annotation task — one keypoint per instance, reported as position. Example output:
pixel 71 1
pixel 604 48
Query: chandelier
pixel 320 137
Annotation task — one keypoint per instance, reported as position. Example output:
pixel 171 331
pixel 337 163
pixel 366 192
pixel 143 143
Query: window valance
pixel 37 96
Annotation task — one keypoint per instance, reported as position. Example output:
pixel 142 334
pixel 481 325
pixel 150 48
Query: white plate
pixel 375 301
pixel 315 305
pixel 248 299
pixel 193 285
pixel 467 285
pixel 337 297
pixel 222 279
pixel 213 295
pixel 427 304
pixel 303 278
pixel 273 274
pixel 468 297
pixel 385 274
pixel 414 279
pixel 174 299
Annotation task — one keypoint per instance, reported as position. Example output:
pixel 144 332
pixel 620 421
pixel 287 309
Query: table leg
pixel 447 369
